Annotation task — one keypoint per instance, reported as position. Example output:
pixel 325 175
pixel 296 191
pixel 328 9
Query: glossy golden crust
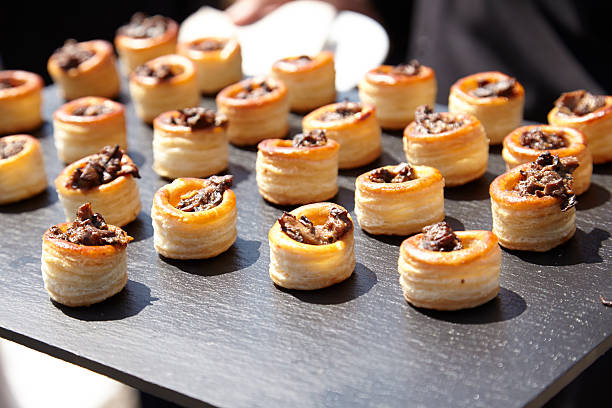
pixel 22 175
pixel 20 106
pixel 461 155
pixel 452 280
pixel 499 115
pixel 136 51
pixel 192 235
pixel 287 175
pixel 516 154
pixel 118 201
pixel 255 119
pixel 79 275
pixel 310 84
pixel 96 76
pixel 400 208
pixel 294 265
pixel 395 96
pixel 358 135
pixel 217 68
pixel 596 127
pixel 153 97
pixel 529 222
pixel 80 136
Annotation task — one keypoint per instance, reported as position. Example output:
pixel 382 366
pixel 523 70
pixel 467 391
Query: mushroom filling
pixel 440 237
pixel 410 69
pixel 207 45
pixel 538 139
pixel 400 174
pixel 579 103
pixel 255 90
pixel 303 230
pixel 196 118
pixel 342 110
pixel 208 196
pixel 7 83
pixel 71 55
pixel 92 110
pixel 10 148
pixel 102 168
pixel 430 122
pixel 313 138
pixel 143 26
pixel 161 72
pixel 488 88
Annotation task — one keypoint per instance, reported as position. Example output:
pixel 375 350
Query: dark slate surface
pixel 219 332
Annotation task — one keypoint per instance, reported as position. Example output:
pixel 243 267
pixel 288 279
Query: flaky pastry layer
pixel 20 106
pixel 22 175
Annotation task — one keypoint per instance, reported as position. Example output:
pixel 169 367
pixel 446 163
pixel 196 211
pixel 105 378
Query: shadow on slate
pixel 582 248
pixel 496 150
pixel 474 190
pixel 137 157
pixel 239 256
pixel 507 305
pixel 395 240
pixel 42 200
pixel 345 198
pixel 127 303
pixel 358 284
pixel 595 196
pixel 141 228
pixel 385 159
pixel 602 168
pixel 239 172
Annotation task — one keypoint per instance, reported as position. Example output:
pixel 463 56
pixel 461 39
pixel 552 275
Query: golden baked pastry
pixel 526 143
pixel 85 125
pixel 145 38
pixel 312 247
pixel 85 69
pixel 533 204
pixel 397 91
pixel 20 101
pixel 191 142
pixel 194 218
pixel 165 83
pixel 399 200
pixel 454 143
pixel 84 262
pixel 311 81
pixel 354 126
pixel 106 180
pixel 256 108
pixel 218 61
pixel 496 99
pixel 22 169
pixel 443 270
pixel 299 171
pixel 590 114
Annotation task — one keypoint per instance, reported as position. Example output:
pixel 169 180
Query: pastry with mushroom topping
pixel 165 83
pixel 526 143
pixel 218 61
pixel 299 171
pixel 256 108
pixel 22 169
pixel 454 143
pixel 85 69
pixel 445 270
pixel 145 38
pixel 589 114
pixel 106 180
pixel 194 218
pixel 312 247
pixel 84 262
pixel 354 126
pixel 310 80
pixel 399 200
pixel 496 99
pixel 397 91
pixel 20 101
pixel 533 204
pixel 84 126
pixel 190 142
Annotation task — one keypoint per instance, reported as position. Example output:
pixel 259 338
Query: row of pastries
pixel 311 246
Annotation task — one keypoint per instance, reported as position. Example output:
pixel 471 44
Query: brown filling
pixel 400 174
pixel 208 196
pixel 301 60
pixel 161 72
pixel 410 69
pixel 143 26
pixel 10 148
pixel 255 90
pixel 488 88
pixel 302 230
pixel 90 229
pixel 579 103
pixel 428 122
pixel 550 176
pixel 7 83
pixel 538 139
pixel 343 110
pixel 102 168
pixel 440 237
pixel 312 138
pixel 196 118
pixel 92 110
pixel 71 55
pixel 207 45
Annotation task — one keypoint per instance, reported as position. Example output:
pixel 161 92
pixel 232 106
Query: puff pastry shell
pixel 20 105
pixel 23 174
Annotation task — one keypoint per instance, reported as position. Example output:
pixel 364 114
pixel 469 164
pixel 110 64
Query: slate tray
pixel 219 332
